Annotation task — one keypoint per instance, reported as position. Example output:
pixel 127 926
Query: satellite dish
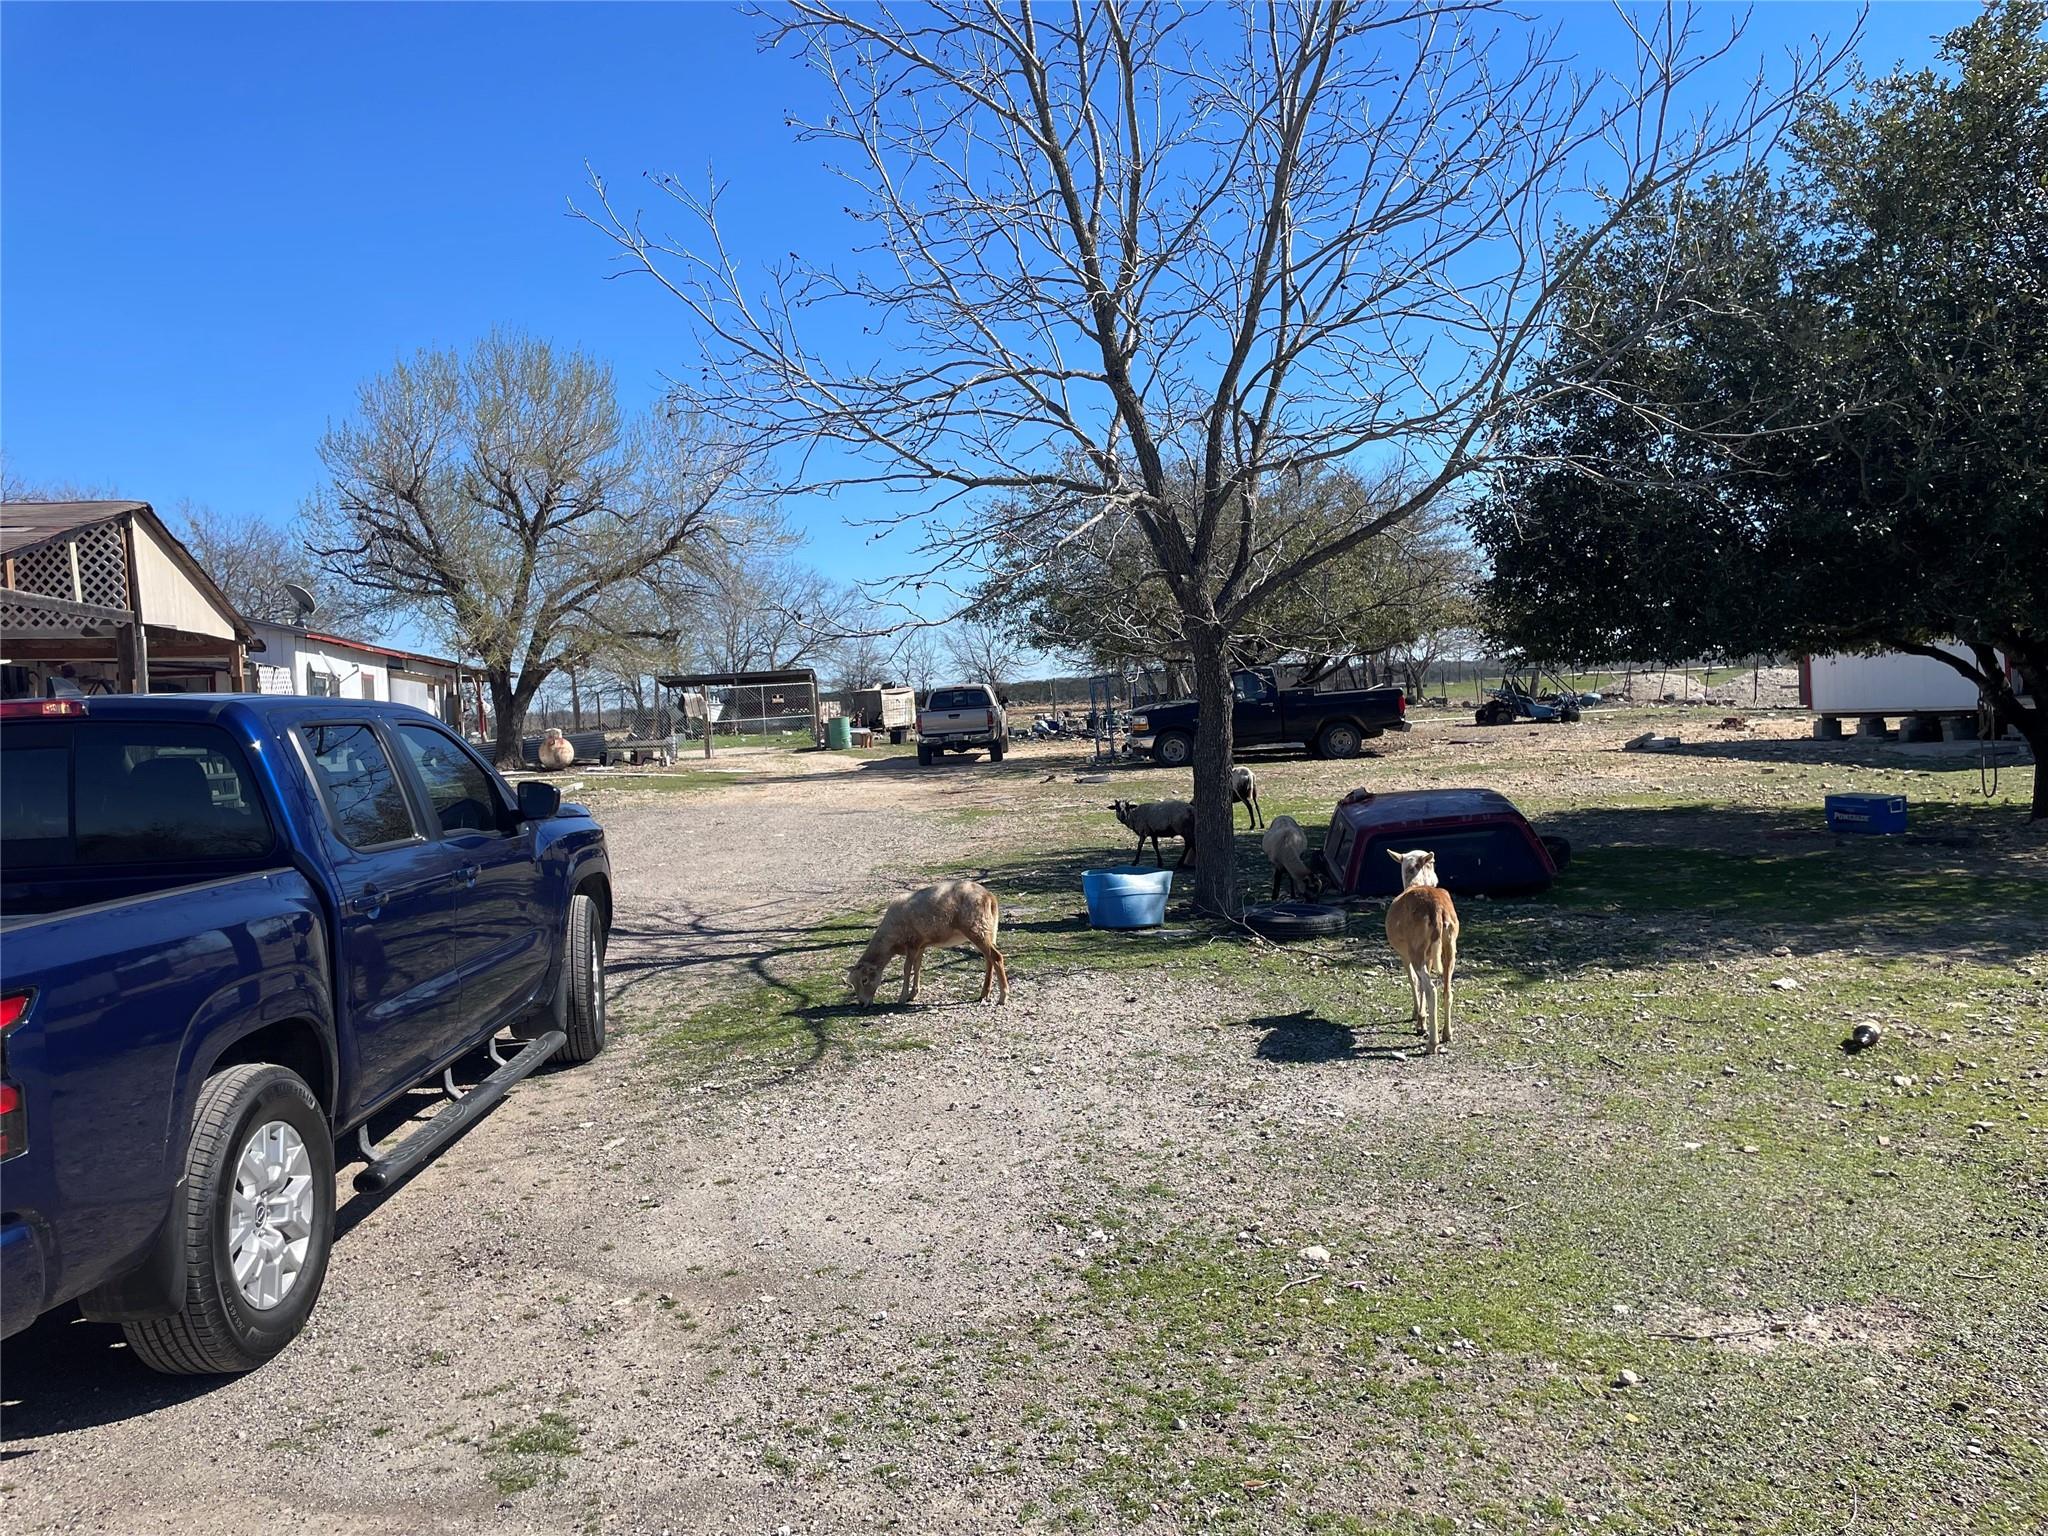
pixel 302 600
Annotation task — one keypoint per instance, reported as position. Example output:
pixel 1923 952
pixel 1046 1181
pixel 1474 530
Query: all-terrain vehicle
pixel 1515 700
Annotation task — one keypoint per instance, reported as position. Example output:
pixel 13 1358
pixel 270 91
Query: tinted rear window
pixel 119 792
pixel 958 698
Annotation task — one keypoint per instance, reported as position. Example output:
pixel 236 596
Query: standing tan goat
pixel 950 912
pixel 1422 925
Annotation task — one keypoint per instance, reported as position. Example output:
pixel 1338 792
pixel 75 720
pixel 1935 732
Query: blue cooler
pixel 1866 813
pixel 1126 898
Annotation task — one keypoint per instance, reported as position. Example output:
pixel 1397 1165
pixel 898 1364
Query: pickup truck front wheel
pixel 258 1219
pixel 1174 749
pixel 583 954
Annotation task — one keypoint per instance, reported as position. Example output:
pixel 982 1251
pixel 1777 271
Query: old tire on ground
pixel 1174 749
pixel 1560 851
pixel 258 1224
pixel 1495 713
pixel 583 955
pixel 1286 921
pixel 1568 713
pixel 924 754
pixel 1339 739
pixel 996 749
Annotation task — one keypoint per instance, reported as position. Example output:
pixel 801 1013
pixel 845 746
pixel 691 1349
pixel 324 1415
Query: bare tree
pixel 751 606
pixel 864 661
pixel 505 499
pixel 921 661
pixel 985 652
pixel 1157 259
pixel 251 559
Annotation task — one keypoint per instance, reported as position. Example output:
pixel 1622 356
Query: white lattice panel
pixel 46 571
pixel 103 566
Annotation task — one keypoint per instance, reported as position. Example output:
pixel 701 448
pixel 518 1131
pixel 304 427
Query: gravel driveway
pixel 545 1329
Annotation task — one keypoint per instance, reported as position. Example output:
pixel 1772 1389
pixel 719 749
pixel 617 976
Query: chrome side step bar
pixel 388 1168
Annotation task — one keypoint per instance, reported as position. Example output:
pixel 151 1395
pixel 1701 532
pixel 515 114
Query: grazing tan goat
pixel 1286 847
pixel 950 912
pixel 1422 925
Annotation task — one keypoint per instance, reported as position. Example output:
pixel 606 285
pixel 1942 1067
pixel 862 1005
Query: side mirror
pixel 538 801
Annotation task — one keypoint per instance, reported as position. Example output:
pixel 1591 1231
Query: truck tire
pixel 583 955
pixel 996 749
pixel 1339 738
pixel 1174 749
pixel 258 1218
pixel 924 755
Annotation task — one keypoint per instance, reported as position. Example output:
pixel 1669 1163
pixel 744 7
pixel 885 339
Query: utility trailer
pixel 882 709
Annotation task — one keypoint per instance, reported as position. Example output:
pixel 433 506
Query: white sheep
pixel 950 912
pixel 1244 791
pixel 1156 819
pixel 1286 847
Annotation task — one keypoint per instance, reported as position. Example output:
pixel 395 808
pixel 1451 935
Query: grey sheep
pixel 1155 819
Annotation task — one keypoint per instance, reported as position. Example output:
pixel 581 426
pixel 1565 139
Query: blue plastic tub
pixel 1866 813
pixel 1126 898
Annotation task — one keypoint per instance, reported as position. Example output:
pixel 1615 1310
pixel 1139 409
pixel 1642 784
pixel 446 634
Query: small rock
pixel 1181 1424
pixel 1785 984
pixel 1751 1147
pixel 1316 1254
pixel 1902 1079
pixel 1626 1378
pixel 1414 1330
pixel 1783 951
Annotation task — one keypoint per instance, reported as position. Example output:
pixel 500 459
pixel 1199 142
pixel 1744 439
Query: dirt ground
pixel 853 1291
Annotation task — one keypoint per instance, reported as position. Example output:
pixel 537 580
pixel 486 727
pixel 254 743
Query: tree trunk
pixel 509 704
pixel 575 703
pixel 1215 853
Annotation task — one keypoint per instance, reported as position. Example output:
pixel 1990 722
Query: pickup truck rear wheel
pixel 583 954
pixel 258 1219
pixel 924 755
pixel 1338 739
pixel 996 749
pixel 1174 749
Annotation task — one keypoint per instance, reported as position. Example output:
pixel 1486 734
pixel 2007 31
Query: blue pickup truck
pixel 232 928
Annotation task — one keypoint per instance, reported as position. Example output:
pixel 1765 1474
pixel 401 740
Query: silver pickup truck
pixel 961 718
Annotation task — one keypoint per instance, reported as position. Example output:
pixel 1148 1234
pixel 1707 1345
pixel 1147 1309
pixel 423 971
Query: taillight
pixel 40 709
pixel 1401 703
pixel 13 1106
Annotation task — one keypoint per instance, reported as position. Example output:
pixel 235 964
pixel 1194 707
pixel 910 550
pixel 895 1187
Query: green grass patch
pixel 517 1458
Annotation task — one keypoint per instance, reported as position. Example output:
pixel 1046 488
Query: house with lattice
pixel 102 595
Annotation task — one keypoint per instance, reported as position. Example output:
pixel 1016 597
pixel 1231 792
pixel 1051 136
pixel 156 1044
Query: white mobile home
pixel 284 659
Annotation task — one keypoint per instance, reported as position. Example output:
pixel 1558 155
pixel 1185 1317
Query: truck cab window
pixel 461 793
pixel 1251 688
pixel 364 801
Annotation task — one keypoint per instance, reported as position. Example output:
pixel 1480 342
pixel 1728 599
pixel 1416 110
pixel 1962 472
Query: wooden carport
pixel 100 592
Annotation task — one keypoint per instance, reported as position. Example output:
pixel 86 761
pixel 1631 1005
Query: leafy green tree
pixel 1838 446
pixel 1087 587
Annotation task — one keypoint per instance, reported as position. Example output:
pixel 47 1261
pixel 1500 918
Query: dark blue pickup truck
pixel 232 928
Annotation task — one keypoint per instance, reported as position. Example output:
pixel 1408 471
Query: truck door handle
pixel 467 874
pixel 370 903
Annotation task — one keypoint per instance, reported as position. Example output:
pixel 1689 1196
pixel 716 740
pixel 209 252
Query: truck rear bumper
pixel 967 739
pixel 21 1277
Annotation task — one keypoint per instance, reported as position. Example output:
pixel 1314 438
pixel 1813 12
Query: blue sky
pixel 216 220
